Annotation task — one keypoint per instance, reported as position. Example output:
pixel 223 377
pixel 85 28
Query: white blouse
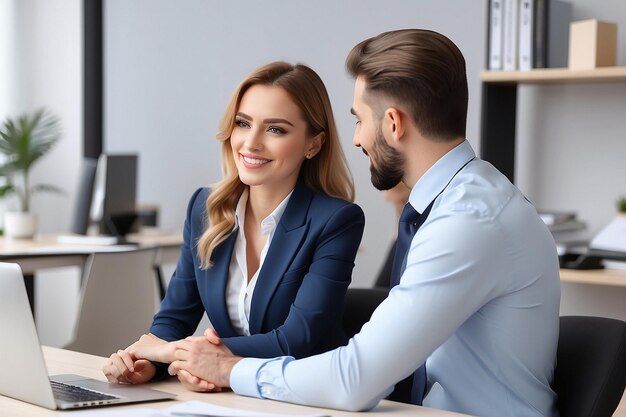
pixel 238 290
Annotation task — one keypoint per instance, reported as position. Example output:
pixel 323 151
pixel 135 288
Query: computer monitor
pixel 118 199
pixel 82 208
pixel 113 206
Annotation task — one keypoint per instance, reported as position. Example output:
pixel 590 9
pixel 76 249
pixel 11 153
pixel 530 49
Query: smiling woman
pixel 268 253
pixel 270 141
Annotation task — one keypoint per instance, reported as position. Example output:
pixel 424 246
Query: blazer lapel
pixel 290 231
pixel 216 279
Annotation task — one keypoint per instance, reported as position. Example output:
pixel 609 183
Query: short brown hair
pixel 419 69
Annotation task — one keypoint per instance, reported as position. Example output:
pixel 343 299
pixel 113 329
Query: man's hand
pixel 201 362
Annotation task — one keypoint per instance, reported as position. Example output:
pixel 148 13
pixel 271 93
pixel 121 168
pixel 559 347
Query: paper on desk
pixel 612 237
pixel 199 408
pixel 187 409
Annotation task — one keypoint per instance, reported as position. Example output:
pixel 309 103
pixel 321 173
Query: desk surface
pixel 64 361
pixel 46 252
pixel 610 277
pixel 48 245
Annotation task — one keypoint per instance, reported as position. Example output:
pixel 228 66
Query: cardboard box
pixel 592 44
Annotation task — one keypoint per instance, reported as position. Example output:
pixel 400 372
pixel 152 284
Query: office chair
pixel 119 298
pixel 590 374
pixel 359 305
pixel 384 275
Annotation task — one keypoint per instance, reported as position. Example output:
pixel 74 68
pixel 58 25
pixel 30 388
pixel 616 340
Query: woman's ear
pixel 316 145
pixel 393 125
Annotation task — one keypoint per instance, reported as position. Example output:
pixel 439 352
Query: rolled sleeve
pixel 247 376
pixel 261 378
pixel 243 376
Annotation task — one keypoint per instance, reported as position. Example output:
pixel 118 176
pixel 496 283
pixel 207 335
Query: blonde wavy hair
pixel 327 172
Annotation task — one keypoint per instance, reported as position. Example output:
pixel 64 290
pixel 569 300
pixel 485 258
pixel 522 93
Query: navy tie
pixel 407 226
pixel 410 221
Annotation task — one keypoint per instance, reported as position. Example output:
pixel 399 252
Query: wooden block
pixel 592 44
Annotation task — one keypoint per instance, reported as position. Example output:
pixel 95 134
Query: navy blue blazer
pixel 298 299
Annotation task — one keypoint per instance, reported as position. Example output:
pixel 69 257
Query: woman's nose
pixel 254 139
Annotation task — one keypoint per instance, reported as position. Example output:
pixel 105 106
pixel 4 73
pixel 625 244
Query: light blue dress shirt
pixel 478 301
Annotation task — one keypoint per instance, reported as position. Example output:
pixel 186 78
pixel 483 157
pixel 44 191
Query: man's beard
pixel 387 164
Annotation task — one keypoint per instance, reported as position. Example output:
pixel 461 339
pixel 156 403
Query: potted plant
pixel 23 141
pixel 621 206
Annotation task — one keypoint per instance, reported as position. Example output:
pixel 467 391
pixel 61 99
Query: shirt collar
pixel 268 224
pixel 437 177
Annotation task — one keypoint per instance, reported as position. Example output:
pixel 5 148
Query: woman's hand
pixel 122 368
pixel 153 349
pixel 125 367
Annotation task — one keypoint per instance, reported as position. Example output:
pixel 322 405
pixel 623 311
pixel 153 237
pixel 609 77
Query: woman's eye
pixel 274 129
pixel 242 123
pixel 358 122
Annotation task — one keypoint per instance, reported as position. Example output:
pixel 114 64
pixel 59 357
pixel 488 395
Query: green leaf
pixel 6 190
pixel 23 141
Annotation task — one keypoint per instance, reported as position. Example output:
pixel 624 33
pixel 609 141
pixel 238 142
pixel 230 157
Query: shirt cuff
pixel 243 376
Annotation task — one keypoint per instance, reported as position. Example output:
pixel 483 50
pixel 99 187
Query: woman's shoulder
pixel 324 203
pixel 197 202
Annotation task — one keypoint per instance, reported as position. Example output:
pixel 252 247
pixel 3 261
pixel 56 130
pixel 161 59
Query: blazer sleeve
pixel 318 305
pixel 182 309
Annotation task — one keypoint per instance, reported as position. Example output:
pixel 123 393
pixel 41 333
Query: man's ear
pixel 316 145
pixel 393 126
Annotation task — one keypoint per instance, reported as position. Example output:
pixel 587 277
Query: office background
pixel 170 68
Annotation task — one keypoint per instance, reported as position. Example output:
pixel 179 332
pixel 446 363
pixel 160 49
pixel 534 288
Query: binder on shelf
pixel 526 26
pixel 543 34
pixel 551 33
pixel 495 34
pixel 510 36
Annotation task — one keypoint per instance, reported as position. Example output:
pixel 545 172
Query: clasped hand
pixel 193 360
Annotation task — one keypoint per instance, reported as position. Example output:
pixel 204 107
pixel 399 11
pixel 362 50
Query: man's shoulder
pixel 480 191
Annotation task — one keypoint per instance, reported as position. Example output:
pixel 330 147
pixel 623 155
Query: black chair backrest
pixel 384 275
pixel 359 305
pixel 590 374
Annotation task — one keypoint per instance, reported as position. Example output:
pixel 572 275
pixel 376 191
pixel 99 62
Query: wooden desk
pixel 611 277
pixel 64 361
pixel 45 252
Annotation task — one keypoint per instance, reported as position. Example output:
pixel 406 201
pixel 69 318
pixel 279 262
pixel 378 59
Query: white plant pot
pixel 21 225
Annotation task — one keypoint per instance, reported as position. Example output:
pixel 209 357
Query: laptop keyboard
pixel 72 393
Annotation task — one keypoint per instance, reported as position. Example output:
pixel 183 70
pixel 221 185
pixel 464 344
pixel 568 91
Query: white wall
pixel 7 40
pixel 571 138
pixel 46 70
pixel 171 67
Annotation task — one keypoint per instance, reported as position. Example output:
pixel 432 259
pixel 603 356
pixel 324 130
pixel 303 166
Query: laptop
pixel 25 376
